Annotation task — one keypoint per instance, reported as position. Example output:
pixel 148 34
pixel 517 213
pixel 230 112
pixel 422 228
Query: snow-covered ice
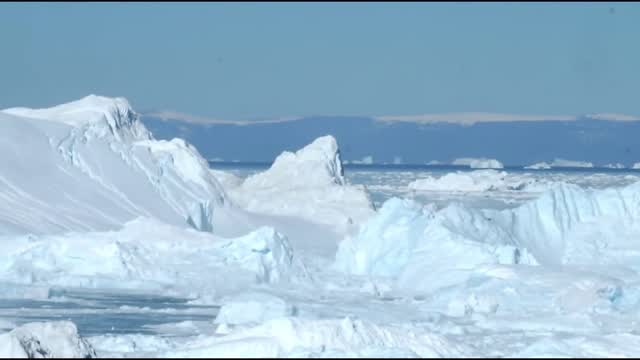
pixel 113 243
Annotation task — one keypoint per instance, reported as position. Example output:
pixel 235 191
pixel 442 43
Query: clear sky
pixel 235 61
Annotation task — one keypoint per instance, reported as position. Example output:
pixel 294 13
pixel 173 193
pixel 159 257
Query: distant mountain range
pixel 591 138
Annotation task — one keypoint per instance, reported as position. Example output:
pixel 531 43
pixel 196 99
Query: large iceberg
pixel 91 165
pixel 310 184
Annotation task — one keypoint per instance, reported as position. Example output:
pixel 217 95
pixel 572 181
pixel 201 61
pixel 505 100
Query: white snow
pixel 479 163
pixel 58 339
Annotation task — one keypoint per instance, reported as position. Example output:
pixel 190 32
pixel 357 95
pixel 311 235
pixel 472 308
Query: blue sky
pixel 238 61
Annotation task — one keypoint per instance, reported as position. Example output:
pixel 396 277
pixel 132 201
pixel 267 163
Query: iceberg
pixel 571 163
pixel 480 163
pixel 614 166
pixel 309 184
pixel 91 165
pixel 538 166
pixel 477 180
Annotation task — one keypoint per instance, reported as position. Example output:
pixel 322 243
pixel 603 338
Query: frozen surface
pixel 116 244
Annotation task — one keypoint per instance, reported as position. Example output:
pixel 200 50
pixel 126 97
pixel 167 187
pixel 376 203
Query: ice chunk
pixel 57 339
